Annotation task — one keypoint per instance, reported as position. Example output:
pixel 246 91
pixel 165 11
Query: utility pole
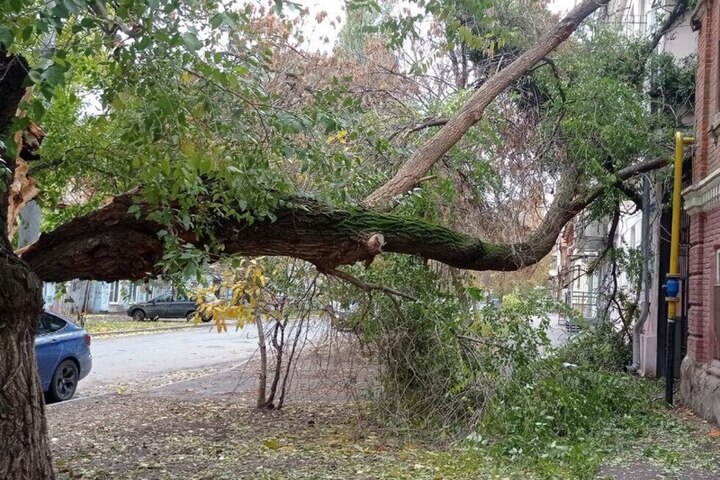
pixel 672 285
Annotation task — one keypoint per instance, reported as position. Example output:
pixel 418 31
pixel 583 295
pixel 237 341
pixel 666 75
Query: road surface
pixel 140 361
pixel 132 360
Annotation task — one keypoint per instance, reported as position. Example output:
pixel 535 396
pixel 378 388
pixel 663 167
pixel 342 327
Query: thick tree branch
pixel 418 164
pixel 681 6
pixel 110 244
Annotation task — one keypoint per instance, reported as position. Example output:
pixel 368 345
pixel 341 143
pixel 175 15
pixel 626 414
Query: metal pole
pixel 672 286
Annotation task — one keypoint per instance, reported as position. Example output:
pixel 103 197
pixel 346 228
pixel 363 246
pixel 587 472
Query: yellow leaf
pixel 271 443
pixel 187 147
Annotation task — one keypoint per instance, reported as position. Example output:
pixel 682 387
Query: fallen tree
pixel 118 241
pixel 90 246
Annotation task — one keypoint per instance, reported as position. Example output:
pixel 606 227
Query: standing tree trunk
pixel 279 347
pixel 23 430
pixel 262 385
pixel 24 447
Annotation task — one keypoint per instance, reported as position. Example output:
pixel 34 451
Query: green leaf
pixel 475 293
pixel 37 110
pixel 191 41
pixel 6 36
pixel 134 210
pixel 35 75
pixel 216 20
pixel 27 32
pixel 88 22
pixel 54 75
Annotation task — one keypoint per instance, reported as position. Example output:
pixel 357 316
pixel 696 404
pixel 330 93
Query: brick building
pixel 700 384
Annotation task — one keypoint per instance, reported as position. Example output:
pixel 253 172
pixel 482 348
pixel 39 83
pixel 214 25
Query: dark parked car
pixel 164 306
pixel 63 356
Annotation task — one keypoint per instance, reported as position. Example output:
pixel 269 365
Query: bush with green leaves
pixel 553 416
pixel 443 356
pixel 450 364
pixel 602 347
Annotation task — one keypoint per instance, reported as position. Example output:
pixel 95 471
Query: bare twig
pixel 435 122
pixel 369 287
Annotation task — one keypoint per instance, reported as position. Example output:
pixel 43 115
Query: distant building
pixel 583 280
pixel 92 296
pixel 582 266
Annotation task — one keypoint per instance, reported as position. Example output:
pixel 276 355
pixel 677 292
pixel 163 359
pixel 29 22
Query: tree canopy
pixel 191 106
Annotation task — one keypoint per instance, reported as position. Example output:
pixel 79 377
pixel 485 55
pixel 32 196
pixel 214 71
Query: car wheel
pixel 138 315
pixel 64 381
pixel 206 318
pixel 189 316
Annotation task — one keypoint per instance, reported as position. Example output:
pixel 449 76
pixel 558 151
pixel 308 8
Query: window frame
pixel 114 294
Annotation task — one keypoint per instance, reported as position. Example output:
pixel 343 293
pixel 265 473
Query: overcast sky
pixel 322 36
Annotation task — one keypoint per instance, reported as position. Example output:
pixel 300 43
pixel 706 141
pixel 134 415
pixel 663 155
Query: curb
pixel 139 332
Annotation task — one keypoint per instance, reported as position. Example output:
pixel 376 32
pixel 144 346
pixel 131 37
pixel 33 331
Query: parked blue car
pixel 63 356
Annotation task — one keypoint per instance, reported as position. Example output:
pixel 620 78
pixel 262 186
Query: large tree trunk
pixel 24 447
pixel 23 431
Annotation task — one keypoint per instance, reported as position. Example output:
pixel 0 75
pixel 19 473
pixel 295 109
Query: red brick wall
pixel 705 227
pixel 704 242
pixel 707 155
pixel 707 103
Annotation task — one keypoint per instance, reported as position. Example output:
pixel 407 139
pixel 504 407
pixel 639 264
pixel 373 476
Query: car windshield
pixel 163 298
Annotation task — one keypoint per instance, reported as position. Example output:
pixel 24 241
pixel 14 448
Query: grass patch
pixel 115 323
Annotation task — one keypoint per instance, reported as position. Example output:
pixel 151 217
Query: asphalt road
pixel 152 358
pixel 135 358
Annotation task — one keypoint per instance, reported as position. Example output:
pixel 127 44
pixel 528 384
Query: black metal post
pixel 670 361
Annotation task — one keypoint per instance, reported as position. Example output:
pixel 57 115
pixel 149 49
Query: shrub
pixel 440 360
pixel 601 347
pixel 552 415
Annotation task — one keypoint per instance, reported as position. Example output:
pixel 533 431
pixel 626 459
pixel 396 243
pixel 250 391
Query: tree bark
pixel 262 376
pixel 23 431
pixel 13 71
pixel 24 447
pixel 419 163
pixel 279 348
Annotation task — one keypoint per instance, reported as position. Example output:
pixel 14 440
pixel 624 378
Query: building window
pixel 130 294
pixel 115 292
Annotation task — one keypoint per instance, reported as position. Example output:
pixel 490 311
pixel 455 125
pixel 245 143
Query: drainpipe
pixel 672 286
pixel 644 275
